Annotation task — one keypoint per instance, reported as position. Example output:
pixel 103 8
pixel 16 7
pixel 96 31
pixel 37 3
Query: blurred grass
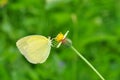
pixel 94 29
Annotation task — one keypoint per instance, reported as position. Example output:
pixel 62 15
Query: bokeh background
pixel 94 27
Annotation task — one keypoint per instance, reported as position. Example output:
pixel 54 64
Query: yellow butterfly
pixel 36 48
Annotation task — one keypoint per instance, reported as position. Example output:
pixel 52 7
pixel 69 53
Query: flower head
pixel 59 37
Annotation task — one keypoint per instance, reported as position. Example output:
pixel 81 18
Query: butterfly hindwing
pixel 35 48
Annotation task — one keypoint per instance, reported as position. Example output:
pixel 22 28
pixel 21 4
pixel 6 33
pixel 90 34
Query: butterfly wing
pixel 35 48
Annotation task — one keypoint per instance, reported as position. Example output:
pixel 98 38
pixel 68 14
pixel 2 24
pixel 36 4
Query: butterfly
pixel 36 48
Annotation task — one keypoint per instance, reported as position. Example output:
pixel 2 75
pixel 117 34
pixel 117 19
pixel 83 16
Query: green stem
pixel 89 64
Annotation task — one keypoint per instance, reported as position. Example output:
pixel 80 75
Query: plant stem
pixel 89 64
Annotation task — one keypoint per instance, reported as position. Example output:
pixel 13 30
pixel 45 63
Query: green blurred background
pixel 94 27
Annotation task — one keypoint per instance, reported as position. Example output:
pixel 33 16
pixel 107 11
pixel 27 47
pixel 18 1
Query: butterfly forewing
pixel 35 48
